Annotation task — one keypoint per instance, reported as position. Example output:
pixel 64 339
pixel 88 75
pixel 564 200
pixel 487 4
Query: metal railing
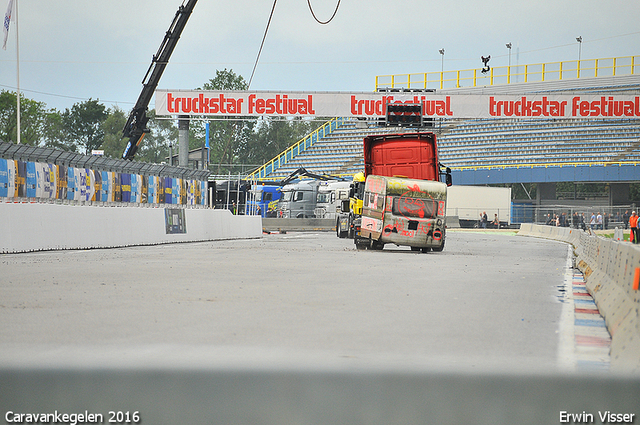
pixel 297 148
pixel 551 71
pixel 573 216
pixel 24 152
pixel 548 165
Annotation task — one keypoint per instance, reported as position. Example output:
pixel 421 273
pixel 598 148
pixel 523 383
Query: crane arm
pixel 136 125
pixel 303 172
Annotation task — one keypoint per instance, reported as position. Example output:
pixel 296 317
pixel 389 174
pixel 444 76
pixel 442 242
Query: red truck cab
pixel 408 155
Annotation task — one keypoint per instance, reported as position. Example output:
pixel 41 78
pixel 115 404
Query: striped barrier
pixel 612 272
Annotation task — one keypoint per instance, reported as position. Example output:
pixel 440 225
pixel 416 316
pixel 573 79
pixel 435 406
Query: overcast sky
pixel 73 50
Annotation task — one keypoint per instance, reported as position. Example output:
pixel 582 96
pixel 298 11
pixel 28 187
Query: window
pixel 286 196
pixel 414 207
pixel 323 198
pixel 373 201
pixel 298 196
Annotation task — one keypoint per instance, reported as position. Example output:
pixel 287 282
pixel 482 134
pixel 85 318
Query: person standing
pixel 549 220
pixel 633 224
pixel 599 221
pixel 625 217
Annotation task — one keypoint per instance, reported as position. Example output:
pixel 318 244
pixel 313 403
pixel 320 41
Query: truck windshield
pixel 414 207
pixel 323 198
pixel 286 196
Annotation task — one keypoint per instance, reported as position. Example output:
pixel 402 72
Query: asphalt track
pixel 489 300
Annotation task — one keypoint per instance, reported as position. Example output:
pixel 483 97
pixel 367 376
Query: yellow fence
pixel 552 71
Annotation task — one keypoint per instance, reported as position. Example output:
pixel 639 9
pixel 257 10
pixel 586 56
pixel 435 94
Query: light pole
pixel 442 69
pixel 509 68
pixel 579 40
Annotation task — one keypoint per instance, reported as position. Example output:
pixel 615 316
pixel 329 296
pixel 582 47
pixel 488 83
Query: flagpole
pixel 18 76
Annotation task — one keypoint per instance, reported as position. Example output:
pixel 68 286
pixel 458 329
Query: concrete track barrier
pixel 609 268
pixel 38 227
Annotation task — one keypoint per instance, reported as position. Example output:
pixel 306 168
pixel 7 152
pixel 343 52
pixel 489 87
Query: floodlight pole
pixel 579 40
pixel 509 68
pixel 442 69
pixel 18 130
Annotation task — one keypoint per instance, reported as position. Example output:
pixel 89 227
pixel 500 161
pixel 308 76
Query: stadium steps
pixel 483 143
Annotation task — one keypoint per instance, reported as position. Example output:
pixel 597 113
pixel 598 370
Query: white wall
pixel 35 227
pixel 467 202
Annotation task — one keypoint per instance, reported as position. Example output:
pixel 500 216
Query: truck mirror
pixel 448 179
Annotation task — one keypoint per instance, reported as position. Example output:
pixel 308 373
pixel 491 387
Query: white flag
pixel 5 24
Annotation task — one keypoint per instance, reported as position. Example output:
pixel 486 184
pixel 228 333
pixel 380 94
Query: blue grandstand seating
pixel 495 143
pixel 481 143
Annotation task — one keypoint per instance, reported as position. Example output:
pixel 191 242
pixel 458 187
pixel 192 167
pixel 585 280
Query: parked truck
pixel 350 210
pixel 299 197
pixel 411 159
pixel 330 195
pixel 263 200
pixel 298 200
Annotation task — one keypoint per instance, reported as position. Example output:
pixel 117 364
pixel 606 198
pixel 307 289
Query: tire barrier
pixel 40 188
pixel 35 174
pixel 612 273
pixel 29 227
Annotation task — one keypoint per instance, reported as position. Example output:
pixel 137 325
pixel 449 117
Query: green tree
pixel 54 132
pixel 32 116
pixel 225 137
pixel 112 126
pixel 84 124
pixel 273 137
pixel 155 145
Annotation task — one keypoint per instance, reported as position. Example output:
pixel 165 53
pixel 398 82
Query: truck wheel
pixel 426 249
pixel 440 248
pixel 360 245
pixel 377 245
pixel 341 233
pixel 350 232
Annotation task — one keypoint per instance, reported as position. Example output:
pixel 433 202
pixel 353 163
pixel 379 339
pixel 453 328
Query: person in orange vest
pixel 633 224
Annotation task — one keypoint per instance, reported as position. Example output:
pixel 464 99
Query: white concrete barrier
pixel 611 269
pixel 37 227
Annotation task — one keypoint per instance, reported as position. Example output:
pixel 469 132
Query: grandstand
pixel 496 144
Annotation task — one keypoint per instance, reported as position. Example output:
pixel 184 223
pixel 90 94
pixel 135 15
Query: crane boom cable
pixel 318 20
pixel 264 37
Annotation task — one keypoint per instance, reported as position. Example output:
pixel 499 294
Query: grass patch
pixel 625 235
